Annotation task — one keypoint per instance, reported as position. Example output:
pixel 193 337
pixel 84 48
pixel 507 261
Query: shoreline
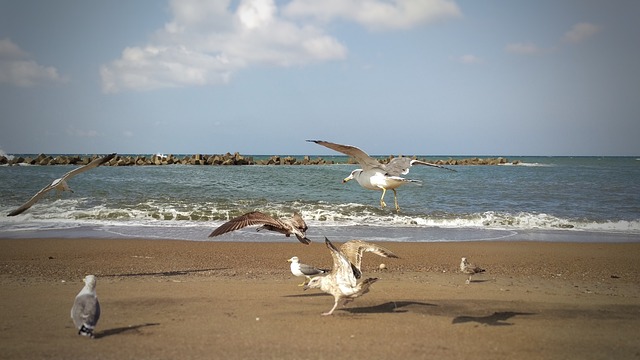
pixel 393 234
pixel 167 299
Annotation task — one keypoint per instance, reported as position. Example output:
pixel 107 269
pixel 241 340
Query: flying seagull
pixel 469 269
pixel 85 311
pixel 305 270
pixel 61 183
pixel 292 226
pixel 341 282
pixel 375 175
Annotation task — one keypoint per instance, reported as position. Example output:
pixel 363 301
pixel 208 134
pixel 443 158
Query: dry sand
pixel 207 300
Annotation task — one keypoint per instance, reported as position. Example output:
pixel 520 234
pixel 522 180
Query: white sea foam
pixel 3 153
pixel 77 211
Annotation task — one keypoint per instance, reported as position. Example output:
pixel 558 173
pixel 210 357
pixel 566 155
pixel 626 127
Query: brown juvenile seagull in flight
pixel 292 226
pixel 61 183
pixel 469 269
pixel 377 176
pixel 341 282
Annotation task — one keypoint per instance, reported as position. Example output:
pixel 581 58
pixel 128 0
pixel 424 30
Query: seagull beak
pixel 346 179
pixel 305 287
pixel 303 239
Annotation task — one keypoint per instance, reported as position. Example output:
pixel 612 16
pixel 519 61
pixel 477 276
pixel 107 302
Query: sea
pixel 551 199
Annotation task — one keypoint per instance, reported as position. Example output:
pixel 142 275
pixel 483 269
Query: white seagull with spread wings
pixel 375 175
pixel 341 282
pixel 293 226
pixel 61 183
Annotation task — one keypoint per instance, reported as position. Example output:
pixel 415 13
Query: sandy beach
pixel 165 299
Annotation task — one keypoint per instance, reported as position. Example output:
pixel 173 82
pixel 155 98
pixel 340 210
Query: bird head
pixel 314 283
pixel 352 175
pixel 90 280
pixel 293 259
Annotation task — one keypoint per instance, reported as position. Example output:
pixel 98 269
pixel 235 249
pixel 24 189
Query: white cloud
pixel 580 32
pixel 524 49
pixel 154 67
pixel 375 14
pixel 469 59
pixel 257 13
pixel 206 42
pixel 17 68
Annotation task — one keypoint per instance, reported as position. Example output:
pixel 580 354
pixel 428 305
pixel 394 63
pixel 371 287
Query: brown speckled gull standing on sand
pixel 469 269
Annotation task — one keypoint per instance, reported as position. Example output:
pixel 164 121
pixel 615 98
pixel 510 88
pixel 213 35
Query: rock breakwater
pixel 225 159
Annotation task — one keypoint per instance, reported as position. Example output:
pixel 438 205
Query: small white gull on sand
pixel 85 311
pixel 305 270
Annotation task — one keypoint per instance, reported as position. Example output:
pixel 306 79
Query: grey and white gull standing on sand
pixel 85 311
pixel 341 282
pixel 305 270
pixel 469 269
pixel 377 176
pixel 60 184
pixel 292 226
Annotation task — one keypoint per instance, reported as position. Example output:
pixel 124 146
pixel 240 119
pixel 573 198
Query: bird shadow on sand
pixel 165 273
pixel 388 307
pixel 498 318
pixel 124 329
pixel 307 295
pixel 478 280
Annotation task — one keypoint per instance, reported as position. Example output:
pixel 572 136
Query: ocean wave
pixel 80 212
pixel 527 164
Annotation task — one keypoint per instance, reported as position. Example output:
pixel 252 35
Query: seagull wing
pixel 85 310
pixel 472 269
pixel 248 219
pixel 355 249
pixel 342 268
pixel 39 194
pixel 310 270
pixel 33 199
pixel 400 165
pixel 94 163
pixel 366 161
pixel 298 222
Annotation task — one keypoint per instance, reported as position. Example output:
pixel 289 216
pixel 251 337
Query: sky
pixel 411 77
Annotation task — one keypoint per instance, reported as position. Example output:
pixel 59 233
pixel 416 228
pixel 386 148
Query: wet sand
pixel 164 299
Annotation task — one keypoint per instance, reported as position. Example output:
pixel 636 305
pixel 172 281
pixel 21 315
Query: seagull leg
pixel 306 280
pixel 395 199
pixel 382 203
pixel 335 305
pixel 468 280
